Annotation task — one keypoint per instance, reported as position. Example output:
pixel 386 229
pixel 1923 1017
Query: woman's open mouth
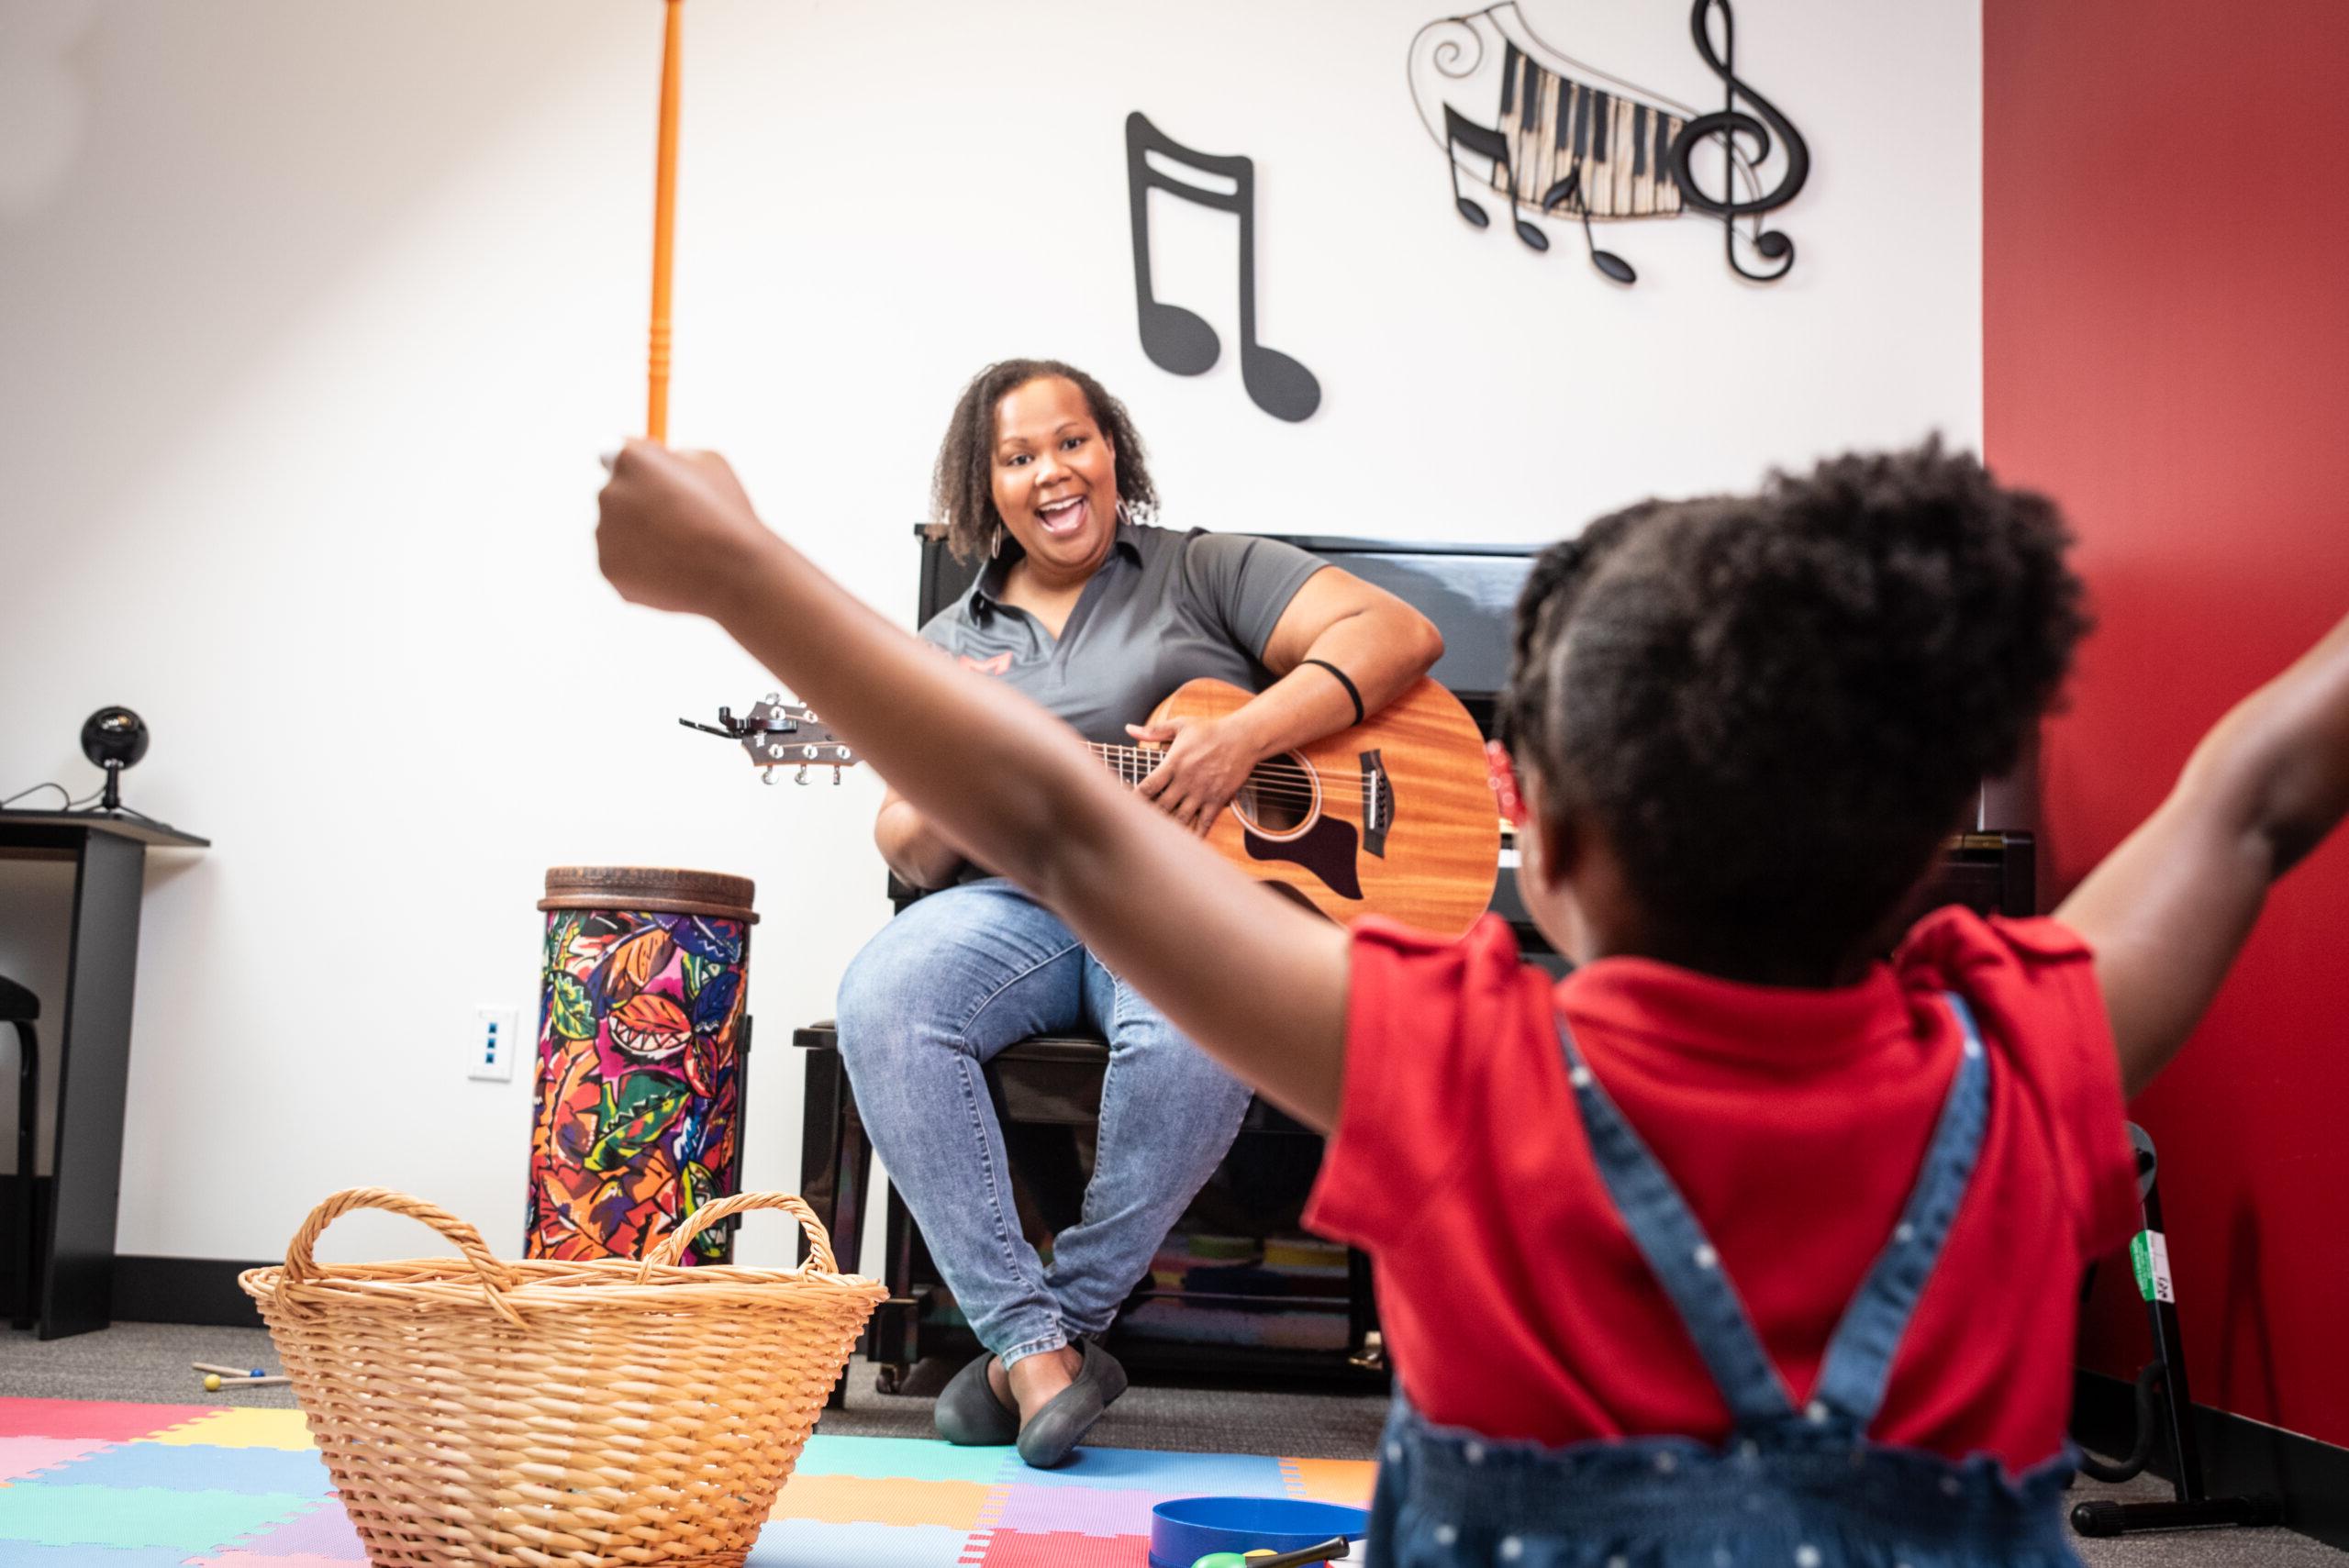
pixel 1066 518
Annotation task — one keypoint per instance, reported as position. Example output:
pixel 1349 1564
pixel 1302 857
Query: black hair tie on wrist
pixel 1351 691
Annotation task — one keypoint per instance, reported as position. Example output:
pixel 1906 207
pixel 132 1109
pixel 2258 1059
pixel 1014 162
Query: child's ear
pixel 1549 847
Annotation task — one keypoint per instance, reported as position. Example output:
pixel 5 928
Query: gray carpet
pixel 147 1362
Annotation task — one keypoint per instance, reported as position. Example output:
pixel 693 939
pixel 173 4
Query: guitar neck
pixel 1131 764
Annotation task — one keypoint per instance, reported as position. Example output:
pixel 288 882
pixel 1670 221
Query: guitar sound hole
pixel 1280 798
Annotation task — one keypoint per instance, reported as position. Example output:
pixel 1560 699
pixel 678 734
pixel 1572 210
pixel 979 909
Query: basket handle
pixel 672 1246
pixel 301 1266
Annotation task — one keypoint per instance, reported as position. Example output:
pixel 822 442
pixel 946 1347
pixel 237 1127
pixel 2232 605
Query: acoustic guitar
pixel 1393 817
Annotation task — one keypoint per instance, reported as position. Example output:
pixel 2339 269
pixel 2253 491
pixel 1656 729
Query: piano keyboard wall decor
pixel 1568 141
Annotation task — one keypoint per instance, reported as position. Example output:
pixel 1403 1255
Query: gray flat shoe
pixel 968 1413
pixel 1052 1433
pixel 1113 1376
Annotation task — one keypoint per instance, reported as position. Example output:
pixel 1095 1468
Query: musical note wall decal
pixel 1178 340
pixel 1571 141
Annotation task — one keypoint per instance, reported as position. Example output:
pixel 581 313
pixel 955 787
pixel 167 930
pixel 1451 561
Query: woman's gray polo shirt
pixel 1164 609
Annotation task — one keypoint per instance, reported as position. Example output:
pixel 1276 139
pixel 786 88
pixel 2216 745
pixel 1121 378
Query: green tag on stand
pixel 2149 1256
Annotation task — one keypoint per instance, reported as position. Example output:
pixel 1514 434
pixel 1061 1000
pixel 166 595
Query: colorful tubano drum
pixel 642 1046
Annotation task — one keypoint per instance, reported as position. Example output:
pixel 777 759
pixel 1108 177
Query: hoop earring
pixel 994 545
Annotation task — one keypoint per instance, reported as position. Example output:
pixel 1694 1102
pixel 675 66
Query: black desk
pixel 90 1049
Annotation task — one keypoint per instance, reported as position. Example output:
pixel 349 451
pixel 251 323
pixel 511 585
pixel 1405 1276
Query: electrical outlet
pixel 496 1039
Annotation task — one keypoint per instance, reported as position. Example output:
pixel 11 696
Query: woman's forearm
pixel 1383 650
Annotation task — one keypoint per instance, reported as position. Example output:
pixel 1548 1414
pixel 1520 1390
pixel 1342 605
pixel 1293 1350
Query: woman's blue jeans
pixel 955 979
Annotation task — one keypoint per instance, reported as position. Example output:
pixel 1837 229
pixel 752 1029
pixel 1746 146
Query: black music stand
pixel 2173 1418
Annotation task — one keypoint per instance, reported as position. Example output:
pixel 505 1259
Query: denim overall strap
pixel 1675 1247
pixel 1859 1356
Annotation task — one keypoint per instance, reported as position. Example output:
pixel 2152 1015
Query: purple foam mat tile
pixel 1078 1510
pixel 323 1533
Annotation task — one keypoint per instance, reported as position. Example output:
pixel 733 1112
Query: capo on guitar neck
pixel 769 718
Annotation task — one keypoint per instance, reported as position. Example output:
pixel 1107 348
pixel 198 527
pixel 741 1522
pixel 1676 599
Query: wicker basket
pixel 559 1415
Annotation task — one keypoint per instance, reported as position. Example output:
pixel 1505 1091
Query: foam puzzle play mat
pixel 121 1486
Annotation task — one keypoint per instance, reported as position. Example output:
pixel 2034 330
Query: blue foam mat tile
pixel 907 1459
pixel 810 1543
pixel 46 1514
pixel 196 1467
pixel 1171 1475
pixel 25 1554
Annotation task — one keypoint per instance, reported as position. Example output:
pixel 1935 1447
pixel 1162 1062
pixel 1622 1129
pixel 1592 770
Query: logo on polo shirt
pixel 995 664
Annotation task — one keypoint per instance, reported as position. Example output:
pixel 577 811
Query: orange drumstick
pixel 665 217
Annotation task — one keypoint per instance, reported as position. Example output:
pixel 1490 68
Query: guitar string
pixel 1265 780
pixel 1272 768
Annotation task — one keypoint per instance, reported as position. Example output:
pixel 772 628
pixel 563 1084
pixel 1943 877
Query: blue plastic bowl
pixel 1183 1529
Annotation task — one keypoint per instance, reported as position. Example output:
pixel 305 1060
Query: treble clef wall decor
pixel 1729 123
pixel 1569 140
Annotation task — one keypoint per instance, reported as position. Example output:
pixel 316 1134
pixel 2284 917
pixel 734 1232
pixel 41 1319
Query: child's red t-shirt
pixel 1793 1122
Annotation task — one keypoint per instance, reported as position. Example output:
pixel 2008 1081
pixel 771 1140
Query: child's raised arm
pixel 1255 980
pixel 2166 911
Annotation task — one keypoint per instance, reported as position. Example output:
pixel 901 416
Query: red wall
pixel 2166 326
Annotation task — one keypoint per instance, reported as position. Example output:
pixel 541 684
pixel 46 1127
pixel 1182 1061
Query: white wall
pixel 313 318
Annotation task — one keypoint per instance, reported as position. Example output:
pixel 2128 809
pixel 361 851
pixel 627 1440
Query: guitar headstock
pixel 779 734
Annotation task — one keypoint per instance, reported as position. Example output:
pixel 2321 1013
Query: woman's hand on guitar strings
pixel 675 529
pixel 1206 764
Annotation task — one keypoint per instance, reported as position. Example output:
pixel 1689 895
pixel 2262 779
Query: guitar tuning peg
pixel 801 777
pixel 836 774
pixel 766 775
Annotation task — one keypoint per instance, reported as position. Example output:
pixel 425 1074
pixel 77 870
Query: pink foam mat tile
pixel 107 1422
pixel 242 1559
pixel 1082 1510
pixel 21 1457
pixel 1057 1549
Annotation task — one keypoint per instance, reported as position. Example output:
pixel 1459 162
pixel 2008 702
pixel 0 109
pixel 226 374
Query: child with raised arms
pixel 1742 1244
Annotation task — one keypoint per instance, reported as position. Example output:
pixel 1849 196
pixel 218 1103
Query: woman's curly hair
pixel 961 489
pixel 1776 706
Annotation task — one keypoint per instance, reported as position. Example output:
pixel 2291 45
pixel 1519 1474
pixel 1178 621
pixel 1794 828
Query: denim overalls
pixel 1791 1488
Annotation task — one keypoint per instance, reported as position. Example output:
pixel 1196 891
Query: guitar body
pixel 1394 817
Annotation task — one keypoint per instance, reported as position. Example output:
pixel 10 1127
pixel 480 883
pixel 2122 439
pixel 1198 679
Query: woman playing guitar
pixel 1098 617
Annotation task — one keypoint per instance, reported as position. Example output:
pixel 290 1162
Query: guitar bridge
pixel 1377 803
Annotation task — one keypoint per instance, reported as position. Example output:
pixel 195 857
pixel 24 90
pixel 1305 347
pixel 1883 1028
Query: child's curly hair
pixel 962 488
pixel 1776 706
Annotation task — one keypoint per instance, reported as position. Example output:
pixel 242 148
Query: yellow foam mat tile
pixel 859 1499
pixel 1345 1480
pixel 241 1428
